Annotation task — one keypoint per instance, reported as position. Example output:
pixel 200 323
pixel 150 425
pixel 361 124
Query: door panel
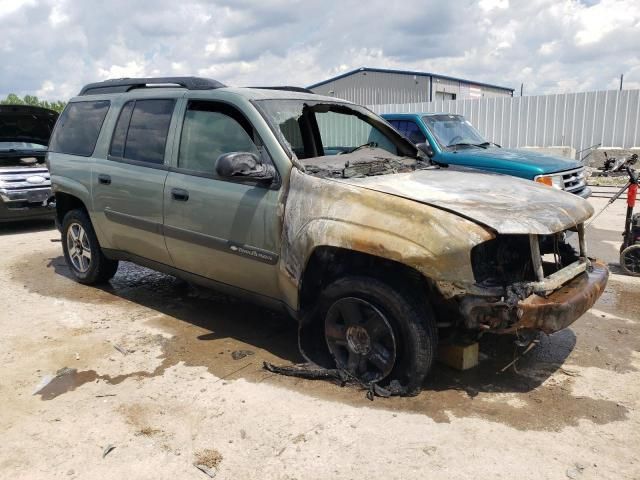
pixel 128 187
pixel 225 231
pixel 131 208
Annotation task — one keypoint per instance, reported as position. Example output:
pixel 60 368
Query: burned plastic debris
pixel 361 164
pixel 310 371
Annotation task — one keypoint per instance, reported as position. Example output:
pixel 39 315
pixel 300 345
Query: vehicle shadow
pixel 505 367
pixel 224 322
pixel 216 316
pixel 26 226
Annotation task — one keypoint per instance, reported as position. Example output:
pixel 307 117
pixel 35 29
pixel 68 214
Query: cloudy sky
pixel 52 47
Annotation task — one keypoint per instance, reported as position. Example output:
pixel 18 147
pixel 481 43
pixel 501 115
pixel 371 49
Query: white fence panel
pixel 609 118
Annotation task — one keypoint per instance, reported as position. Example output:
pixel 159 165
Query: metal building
pixel 379 86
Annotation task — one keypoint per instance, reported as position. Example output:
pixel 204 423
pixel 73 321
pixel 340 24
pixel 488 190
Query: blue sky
pixel 52 47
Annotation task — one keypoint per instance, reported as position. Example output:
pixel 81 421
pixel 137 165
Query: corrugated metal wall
pixel 369 88
pixel 610 118
pixel 375 88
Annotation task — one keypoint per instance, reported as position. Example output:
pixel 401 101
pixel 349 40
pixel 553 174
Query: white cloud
pixel 10 6
pixel 487 5
pixel 53 47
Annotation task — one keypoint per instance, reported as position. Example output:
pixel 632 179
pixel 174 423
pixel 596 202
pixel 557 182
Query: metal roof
pixel 407 72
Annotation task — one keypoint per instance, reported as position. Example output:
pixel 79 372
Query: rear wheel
pixel 630 260
pixel 82 251
pixel 377 334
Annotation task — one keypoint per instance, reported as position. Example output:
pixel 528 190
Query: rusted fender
pixel 327 212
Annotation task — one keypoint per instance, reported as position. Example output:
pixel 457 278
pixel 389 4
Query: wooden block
pixel 460 357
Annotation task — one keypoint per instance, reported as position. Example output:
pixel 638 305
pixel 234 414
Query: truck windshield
pixel 454 131
pixel 312 129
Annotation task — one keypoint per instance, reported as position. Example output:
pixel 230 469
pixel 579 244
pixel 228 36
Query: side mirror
pixel 426 149
pixel 244 165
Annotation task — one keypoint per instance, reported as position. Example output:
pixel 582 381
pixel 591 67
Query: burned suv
pixel 319 208
pixel 25 188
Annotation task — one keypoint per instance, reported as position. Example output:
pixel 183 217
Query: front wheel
pixel 377 334
pixel 82 251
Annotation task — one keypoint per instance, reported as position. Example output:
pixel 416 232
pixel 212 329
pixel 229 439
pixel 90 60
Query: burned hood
pixel 25 123
pixel 503 203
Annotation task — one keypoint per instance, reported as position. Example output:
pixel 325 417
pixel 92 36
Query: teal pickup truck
pixel 451 139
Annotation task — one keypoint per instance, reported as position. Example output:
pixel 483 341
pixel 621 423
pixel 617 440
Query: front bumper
pixel 537 311
pixel 565 305
pixel 26 204
pixel 584 193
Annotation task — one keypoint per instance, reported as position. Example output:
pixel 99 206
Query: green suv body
pixel 319 208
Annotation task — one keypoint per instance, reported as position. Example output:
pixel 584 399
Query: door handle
pixel 179 194
pixel 104 179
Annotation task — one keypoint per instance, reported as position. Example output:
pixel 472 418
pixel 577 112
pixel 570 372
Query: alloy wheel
pixel 360 338
pixel 78 247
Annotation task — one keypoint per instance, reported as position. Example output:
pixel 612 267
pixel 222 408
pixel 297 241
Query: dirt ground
pixel 146 384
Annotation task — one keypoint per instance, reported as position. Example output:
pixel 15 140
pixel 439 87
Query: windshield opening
pixel 453 131
pixel 338 140
pixel 311 129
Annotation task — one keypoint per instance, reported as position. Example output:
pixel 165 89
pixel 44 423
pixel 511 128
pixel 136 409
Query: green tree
pixel 13 99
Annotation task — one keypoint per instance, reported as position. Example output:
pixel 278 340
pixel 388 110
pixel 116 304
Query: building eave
pixel 408 72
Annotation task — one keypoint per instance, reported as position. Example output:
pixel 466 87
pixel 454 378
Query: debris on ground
pixel 575 471
pixel 516 359
pixel 206 470
pixel 122 350
pixel 430 450
pixel 148 431
pixel 108 449
pixel 239 354
pixel 570 373
pixel 47 379
pixel 310 371
pixel 207 461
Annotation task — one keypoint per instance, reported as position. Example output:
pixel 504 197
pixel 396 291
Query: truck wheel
pixel 82 251
pixel 377 334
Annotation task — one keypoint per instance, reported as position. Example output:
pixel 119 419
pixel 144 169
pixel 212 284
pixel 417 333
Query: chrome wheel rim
pixel 78 247
pixel 361 339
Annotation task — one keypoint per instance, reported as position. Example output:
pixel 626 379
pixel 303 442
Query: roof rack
pixel 287 88
pixel 120 85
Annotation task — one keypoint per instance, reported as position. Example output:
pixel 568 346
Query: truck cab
pixel 454 141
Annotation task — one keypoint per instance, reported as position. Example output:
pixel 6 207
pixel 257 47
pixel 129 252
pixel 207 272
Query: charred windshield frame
pixel 430 120
pixel 404 147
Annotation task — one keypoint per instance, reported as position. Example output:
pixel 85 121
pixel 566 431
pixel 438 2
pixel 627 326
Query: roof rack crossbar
pixel 286 88
pixel 120 85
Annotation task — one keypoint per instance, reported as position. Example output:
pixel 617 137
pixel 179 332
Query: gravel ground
pixel 142 382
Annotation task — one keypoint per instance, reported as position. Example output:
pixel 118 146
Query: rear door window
pixel 141 131
pixel 78 127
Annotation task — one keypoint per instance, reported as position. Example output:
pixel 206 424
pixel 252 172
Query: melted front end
pixel 529 282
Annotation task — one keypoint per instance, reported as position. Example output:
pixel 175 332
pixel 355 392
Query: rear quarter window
pixel 77 129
